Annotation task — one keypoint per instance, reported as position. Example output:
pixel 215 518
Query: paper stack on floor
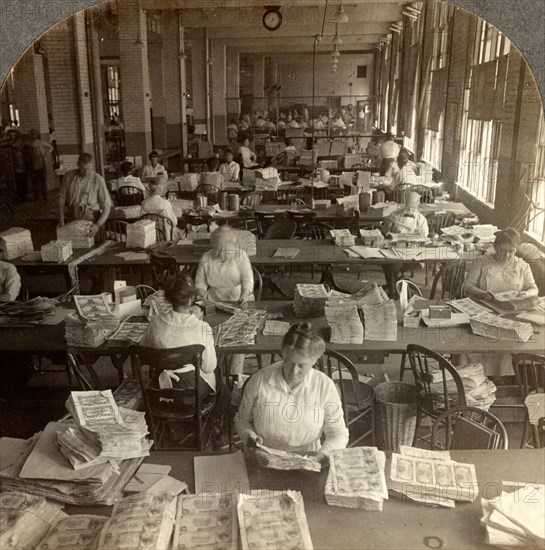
pixel 206 522
pixel 356 478
pixel 309 300
pixel 14 243
pixel 345 324
pixel 515 518
pixel 141 234
pixel 380 321
pixel 270 520
pixel 343 237
pixel 77 232
pixel 103 432
pixel 430 477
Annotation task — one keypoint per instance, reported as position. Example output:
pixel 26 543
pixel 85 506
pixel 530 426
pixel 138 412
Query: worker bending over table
pixel 86 194
pixel 289 405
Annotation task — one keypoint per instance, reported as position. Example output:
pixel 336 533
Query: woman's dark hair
pixel 126 168
pixel 179 290
pixel 509 236
pixel 288 141
pixel 212 164
pixel 153 154
pixel 304 338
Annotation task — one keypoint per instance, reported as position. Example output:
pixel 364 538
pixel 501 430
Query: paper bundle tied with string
pixel 77 232
pixel 56 251
pixel 309 300
pixel 126 212
pixel 141 234
pixel 188 182
pixel 14 243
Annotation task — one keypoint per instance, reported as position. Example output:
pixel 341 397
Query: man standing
pixel 37 150
pixel 389 150
pixel 15 143
pixel 86 194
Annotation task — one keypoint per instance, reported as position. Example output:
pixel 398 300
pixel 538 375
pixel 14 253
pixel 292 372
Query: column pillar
pixel 259 82
pixel 172 81
pixel 135 86
pixel 199 91
pixel 233 84
pixel 156 78
pixel 30 96
pixel 218 89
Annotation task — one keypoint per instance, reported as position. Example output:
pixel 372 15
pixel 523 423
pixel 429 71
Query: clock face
pixel 272 20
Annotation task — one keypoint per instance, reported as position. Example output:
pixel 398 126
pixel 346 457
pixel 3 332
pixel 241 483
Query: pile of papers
pixel 77 334
pixel 36 466
pixel 275 328
pixel 26 519
pixel 128 333
pixel 370 252
pixel 127 212
pixel 142 520
pixel 345 324
pixel 356 479
pixel 30 312
pixel 515 518
pixel 103 432
pixel 309 300
pixel 241 329
pixel 158 304
pixel 71 531
pixel 206 522
pixel 277 459
pixel 287 253
pixel 56 251
pixel 95 312
pixel 431 477
pixel 495 327
pixel 270 520
pixel 141 234
pixel 372 237
pixel 468 306
pixel 77 232
pixel 14 243
pixel 343 237
pixel 380 321
pixel 479 390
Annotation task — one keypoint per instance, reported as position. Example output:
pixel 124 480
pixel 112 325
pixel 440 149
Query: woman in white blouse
pixel 225 272
pixel 289 405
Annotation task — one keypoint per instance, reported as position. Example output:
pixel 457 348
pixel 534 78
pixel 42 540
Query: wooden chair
pixel 426 194
pixel 163 226
pixel 164 266
pixel 211 191
pixel 413 290
pixel 143 291
pixel 437 397
pixel 116 230
pixel 452 276
pixel 530 376
pixel 264 220
pixel 464 428
pixel 290 195
pixel 282 229
pixel 129 195
pixel 398 194
pixel 191 218
pixel 358 166
pixel 317 231
pixel 258 284
pixel 184 406
pixel 439 220
pixel 301 219
pixel 350 221
pixel 252 199
pixel 535 410
pixel 357 398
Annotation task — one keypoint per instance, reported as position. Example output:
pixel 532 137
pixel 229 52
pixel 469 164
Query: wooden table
pixel 401 524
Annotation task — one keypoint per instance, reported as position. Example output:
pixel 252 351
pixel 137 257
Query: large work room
pixel 271 277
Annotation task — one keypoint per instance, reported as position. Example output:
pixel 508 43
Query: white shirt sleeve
pixel 10 286
pixel 335 430
pixel 201 284
pixel 244 419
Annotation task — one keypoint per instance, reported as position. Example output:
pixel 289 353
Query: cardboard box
pixel 440 312
pixel 207 307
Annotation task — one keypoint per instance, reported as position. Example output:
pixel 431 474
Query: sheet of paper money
pixel 270 520
pixel 206 521
pixel 345 324
pixel 79 531
pixel 93 407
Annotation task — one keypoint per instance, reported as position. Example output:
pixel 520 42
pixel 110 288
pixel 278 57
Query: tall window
pixel 479 151
pixel 536 190
pixel 114 102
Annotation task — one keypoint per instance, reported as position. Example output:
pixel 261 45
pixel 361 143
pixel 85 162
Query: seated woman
pixel 500 271
pixel 156 204
pixel 225 272
pixel 10 282
pixel 493 273
pixel 289 405
pixel 128 179
pixel 183 327
pixel 212 176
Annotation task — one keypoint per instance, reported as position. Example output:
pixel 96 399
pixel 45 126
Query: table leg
pixel 118 361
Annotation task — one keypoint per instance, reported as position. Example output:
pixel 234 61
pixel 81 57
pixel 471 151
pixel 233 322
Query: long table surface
pixel 401 524
pixel 46 338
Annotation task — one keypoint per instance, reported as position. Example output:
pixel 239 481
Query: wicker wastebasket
pixel 395 415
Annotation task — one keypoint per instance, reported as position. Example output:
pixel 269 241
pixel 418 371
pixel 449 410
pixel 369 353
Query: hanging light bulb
pixel 340 15
pixel 336 38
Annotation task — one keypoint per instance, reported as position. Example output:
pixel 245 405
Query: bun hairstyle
pixel 179 290
pixel 305 339
pixel 509 236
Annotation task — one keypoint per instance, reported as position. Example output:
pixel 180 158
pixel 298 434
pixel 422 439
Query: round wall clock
pixel 272 18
